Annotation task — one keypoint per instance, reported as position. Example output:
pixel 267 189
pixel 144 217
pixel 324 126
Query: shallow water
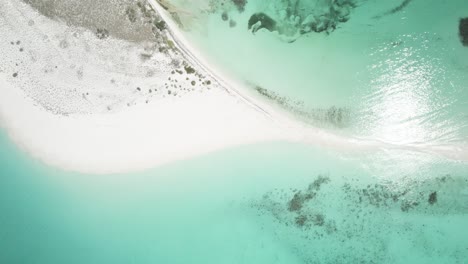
pixel 397 77
pixel 270 203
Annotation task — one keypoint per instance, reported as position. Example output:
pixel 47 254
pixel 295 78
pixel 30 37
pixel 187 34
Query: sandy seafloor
pixel 222 174
pixel 234 206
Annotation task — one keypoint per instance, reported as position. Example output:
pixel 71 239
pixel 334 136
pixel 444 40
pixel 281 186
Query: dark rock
pixel 399 8
pixel 161 25
pixel 408 205
pixel 318 219
pixel 301 220
pixel 295 204
pixel 319 182
pixel 224 16
pixel 240 4
pixel 432 198
pixel 394 10
pixel 232 23
pixel 189 69
pixel 298 200
pixel 15 74
pixel 265 22
pixel 102 33
pixel 463 31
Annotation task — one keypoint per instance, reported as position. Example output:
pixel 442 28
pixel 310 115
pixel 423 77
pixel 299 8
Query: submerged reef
pixel 342 216
pixel 288 18
pixel 294 207
pixel 397 9
pixel 240 4
pixel 260 20
pixel 293 18
pixel 336 117
pixel 463 31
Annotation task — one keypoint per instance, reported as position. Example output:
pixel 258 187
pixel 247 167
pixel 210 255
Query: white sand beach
pixel 141 137
pixel 136 132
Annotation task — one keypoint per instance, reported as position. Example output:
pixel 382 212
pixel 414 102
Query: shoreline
pixel 123 139
pixel 134 139
pixel 171 129
pixel 292 124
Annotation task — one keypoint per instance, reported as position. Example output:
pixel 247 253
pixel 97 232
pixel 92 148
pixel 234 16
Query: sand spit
pixel 97 105
pixel 140 137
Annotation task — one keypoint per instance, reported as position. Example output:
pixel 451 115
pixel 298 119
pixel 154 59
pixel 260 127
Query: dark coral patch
pixel 263 20
pixel 240 4
pixel 463 31
pixel 432 198
pixel 224 16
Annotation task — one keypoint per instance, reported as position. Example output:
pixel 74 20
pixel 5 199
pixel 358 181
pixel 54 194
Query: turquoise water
pixel 270 203
pixel 396 77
